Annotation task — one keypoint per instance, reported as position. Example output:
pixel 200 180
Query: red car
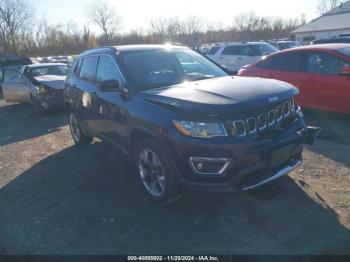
pixel 321 72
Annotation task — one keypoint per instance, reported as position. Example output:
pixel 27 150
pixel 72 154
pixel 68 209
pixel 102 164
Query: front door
pixel 325 88
pixel 109 105
pixel 15 87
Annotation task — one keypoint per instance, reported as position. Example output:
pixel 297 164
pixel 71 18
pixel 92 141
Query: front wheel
pixel 77 134
pixel 155 172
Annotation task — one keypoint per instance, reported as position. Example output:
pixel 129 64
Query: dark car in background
pixel 182 121
pixel 336 40
pixel 286 44
pixel 321 72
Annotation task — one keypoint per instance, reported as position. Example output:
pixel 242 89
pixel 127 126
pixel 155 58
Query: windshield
pixel 264 49
pixel 58 70
pixel 345 51
pixel 159 68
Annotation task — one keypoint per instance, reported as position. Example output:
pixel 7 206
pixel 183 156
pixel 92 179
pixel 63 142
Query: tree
pixel 104 16
pixel 326 5
pixel 16 16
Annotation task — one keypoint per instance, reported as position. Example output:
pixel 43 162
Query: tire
pixel 37 106
pixel 77 133
pixel 166 189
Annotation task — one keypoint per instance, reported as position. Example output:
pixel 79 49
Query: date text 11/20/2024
pixel 173 258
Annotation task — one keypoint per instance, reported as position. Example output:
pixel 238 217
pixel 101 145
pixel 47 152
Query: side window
pixel 107 70
pixel 26 72
pixel 246 50
pixel 77 66
pixel 265 63
pixel 230 50
pixel 12 76
pixel 287 62
pixel 325 64
pixel 88 69
pixel 213 50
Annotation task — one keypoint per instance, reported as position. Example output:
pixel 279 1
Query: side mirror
pixel 109 86
pixel 345 71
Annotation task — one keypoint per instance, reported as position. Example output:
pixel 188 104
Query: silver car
pixel 39 84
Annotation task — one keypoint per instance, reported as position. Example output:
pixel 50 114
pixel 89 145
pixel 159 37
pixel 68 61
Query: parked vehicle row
pixel 182 121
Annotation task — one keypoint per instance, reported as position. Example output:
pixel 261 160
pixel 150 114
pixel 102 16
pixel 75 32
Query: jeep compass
pixel 182 121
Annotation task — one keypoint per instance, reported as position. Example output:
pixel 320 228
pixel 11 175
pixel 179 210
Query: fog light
pixel 200 166
pixel 209 166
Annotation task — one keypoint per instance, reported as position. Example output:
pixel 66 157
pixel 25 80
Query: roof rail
pixel 99 48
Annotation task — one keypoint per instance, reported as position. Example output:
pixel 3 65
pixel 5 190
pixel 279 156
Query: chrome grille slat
pixel 279 113
pixel 251 125
pixel 262 121
pixel 271 117
pixel 240 128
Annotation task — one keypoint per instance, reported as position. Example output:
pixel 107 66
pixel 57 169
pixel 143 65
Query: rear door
pixel 15 86
pixel 85 86
pixel 285 67
pixel 230 58
pixel 326 88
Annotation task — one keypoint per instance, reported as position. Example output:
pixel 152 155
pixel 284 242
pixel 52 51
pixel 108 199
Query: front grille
pixel 263 120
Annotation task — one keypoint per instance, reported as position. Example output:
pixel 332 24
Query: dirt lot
pixel 59 199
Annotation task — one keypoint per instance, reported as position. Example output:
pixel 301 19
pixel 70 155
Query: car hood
pixel 223 94
pixel 52 81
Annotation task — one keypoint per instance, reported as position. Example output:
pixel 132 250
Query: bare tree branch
pixel 326 5
pixel 105 17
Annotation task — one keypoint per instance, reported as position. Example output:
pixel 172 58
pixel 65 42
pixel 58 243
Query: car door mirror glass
pixel 109 85
pixel 345 71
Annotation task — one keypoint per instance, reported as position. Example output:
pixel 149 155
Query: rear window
pixel 265 63
pixel 88 69
pixel 285 62
pixel 345 51
pixel 77 67
pixel 241 50
pixel 213 50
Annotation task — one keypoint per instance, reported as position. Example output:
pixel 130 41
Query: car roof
pixel 333 47
pixel 130 48
pixel 45 64
pixel 241 43
pixel 16 67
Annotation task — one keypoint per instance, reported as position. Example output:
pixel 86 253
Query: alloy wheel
pixel 151 173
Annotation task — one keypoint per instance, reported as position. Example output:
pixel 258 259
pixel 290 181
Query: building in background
pixel 335 23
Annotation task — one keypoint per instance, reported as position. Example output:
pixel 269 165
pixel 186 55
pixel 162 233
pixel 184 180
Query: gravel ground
pixel 56 198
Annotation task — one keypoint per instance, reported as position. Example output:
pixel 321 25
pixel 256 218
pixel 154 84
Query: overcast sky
pixel 137 14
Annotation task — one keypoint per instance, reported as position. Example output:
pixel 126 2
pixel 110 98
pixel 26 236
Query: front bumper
pixel 51 100
pixel 251 163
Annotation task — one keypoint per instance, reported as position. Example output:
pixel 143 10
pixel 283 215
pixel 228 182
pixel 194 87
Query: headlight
pixel 200 129
pixel 41 89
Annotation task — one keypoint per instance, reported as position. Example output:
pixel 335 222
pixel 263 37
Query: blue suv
pixel 182 121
